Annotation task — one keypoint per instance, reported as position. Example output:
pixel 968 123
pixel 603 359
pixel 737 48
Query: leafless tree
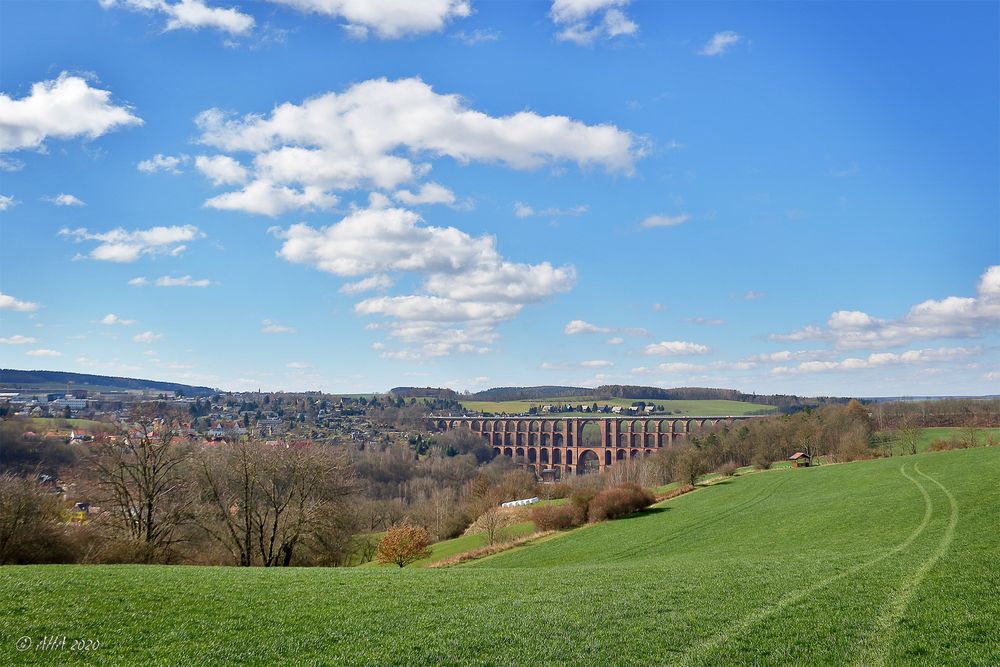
pixel 141 474
pixel 263 501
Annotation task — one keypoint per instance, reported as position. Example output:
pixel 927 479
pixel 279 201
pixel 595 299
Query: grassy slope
pixel 891 561
pixel 701 408
pixel 929 435
pixel 43 424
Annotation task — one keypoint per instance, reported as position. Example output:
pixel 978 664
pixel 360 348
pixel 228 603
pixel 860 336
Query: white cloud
pixel 191 15
pixel 138 282
pixel 576 327
pixel 388 19
pixel 6 201
pixel 670 347
pixel 522 210
pixel 222 169
pixel 147 337
pixel 43 353
pixel 111 319
pixel 584 21
pixel 372 134
pixel 429 193
pixel 617 340
pixel 10 164
pixel 720 43
pixel 707 321
pixel 377 282
pixel 476 37
pixel 160 162
pixel 810 332
pixel 596 363
pixel 951 317
pixel 658 220
pixel 61 108
pixel 121 245
pixel 297 365
pixel 468 287
pixel 670 367
pixel 751 295
pixel 881 359
pixel 18 339
pixel 63 199
pixel 272 327
pixel 182 281
pixel 266 198
pixel 7 302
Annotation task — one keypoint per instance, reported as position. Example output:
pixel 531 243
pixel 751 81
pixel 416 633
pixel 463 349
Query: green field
pixel 929 436
pixel 700 408
pixel 42 424
pixel 894 561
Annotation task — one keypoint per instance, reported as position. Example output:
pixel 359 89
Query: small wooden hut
pixel 800 460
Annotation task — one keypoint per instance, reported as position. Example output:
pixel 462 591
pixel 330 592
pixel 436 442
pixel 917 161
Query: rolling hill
pixel 890 561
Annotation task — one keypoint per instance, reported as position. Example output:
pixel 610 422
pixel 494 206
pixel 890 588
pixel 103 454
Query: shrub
pixel 728 469
pixel 618 502
pixel 557 490
pixel 942 445
pixel 402 544
pixel 557 517
pixel 581 498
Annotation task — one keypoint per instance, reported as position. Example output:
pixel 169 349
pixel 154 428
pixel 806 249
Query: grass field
pixel 43 424
pixel 700 408
pixel 929 435
pixel 887 562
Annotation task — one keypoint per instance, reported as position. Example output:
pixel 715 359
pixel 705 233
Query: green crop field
pixel 888 562
pixel 929 436
pixel 701 408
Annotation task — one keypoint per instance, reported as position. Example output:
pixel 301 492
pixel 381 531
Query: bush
pixel 557 490
pixel 558 517
pixel 618 502
pixel 727 469
pixel 943 445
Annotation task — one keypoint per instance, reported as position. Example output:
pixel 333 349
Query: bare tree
pixel 141 474
pixel 264 501
pixel 28 512
pixel 493 525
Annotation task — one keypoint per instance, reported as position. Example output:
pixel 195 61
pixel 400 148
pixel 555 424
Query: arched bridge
pixel 571 445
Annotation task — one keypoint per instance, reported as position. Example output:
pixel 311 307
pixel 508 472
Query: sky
pixel 348 196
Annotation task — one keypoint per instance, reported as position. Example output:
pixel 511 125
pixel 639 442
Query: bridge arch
pixel 589 461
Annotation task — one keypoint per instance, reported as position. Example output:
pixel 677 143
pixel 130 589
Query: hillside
pixel 18 380
pixel 883 562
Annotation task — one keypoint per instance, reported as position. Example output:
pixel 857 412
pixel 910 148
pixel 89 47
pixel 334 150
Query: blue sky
pixel 322 194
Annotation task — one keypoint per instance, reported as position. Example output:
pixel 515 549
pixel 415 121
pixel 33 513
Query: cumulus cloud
pixel 951 317
pixel 170 164
pixel 376 134
pixel 596 363
pixel 377 282
pixel 43 352
pixel 182 281
pixel 147 337
pixel 576 327
pixel 881 359
pixel 61 108
pixel 6 201
pixel 720 43
pixel 429 193
pixel 139 281
pixel 7 302
pixel 387 19
pixel 17 339
pixel 522 210
pixel 468 287
pixel 584 21
pixel 272 327
pixel 658 220
pixel 674 347
pixel 111 319
pixel 63 199
pixel 190 15
pixel 266 198
pixel 121 245
pixel 221 169
pixel 616 340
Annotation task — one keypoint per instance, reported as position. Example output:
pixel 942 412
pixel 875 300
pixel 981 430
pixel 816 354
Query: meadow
pixel 892 561
pixel 682 408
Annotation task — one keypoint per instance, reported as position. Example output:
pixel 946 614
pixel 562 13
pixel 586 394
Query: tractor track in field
pixel 887 624
pixel 791 598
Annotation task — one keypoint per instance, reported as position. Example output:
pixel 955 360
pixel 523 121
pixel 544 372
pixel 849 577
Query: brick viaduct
pixel 558 443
